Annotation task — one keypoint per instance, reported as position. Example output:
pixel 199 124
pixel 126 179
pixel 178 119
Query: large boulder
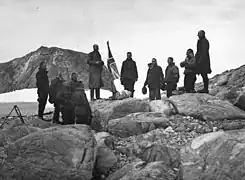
pixel 103 111
pixel 137 123
pixel 12 134
pixel 217 155
pixel 140 170
pixel 53 153
pixel 163 106
pixel 206 107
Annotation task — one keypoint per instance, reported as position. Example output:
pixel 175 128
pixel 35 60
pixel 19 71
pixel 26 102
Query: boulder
pixel 103 111
pixel 141 170
pixel 206 107
pixel 241 102
pixel 163 106
pixel 222 80
pixel 12 134
pixel 216 155
pixel 52 153
pixel 137 123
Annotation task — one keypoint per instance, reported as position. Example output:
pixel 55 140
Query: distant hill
pixel 20 73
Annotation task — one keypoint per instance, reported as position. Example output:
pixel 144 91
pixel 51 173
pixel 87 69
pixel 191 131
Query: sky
pixel 147 28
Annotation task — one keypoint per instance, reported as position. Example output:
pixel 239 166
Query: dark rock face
pixel 20 73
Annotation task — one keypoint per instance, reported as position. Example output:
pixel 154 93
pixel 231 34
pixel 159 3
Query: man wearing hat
pixel 95 72
pixel 203 60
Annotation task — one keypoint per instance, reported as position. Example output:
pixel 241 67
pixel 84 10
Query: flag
pixel 111 64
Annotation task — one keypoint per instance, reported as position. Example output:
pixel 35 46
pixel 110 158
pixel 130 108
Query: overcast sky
pixel 147 28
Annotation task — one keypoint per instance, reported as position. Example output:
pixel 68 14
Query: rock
pixel 141 170
pixel 162 106
pixel 12 134
pixel 216 155
pixel 241 102
pixel 103 111
pixel 206 107
pixel 222 80
pixel 53 153
pixel 137 123
pixel 35 122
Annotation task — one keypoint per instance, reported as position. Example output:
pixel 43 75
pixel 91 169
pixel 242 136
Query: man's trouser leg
pixel 56 114
pixel 193 81
pixel 152 94
pixel 205 81
pixel 158 94
pixel 186 82
pixel 92 94
pixel 97 93
pixel 42 101
pixel 170 88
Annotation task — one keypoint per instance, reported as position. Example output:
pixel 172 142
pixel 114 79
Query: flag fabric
pixel 111 64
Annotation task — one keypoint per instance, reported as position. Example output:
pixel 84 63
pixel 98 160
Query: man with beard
pixel 64 97
pixel 42 84
pixel 203 60
pixel 153 80
pixel 129 74
pixel 171 76
pixel 95 70
pixel 55 86
pixel 190 71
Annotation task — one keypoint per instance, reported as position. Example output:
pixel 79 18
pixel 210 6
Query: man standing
pixel 171 76
pixel 203 60
pixel 190 71
pixel 154 79
pixel 129 73
pixel 95 69
pixel 55 86
pixel 42 84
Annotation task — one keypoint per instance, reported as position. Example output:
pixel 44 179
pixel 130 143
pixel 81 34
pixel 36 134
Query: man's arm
pixel 136 71
pixel 146 81
pixel 122 70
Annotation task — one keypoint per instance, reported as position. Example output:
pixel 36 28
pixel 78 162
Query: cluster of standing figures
pixel 70 99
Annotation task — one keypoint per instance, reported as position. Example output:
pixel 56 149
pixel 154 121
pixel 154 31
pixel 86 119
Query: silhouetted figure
pixel 83 112
pixel 154 79
pixel 64 96
pixel 95 70
pixel 42 84
pixel 190 72
pixel 203 60
pixel 171 76
pixel 55 86
pixel 129 73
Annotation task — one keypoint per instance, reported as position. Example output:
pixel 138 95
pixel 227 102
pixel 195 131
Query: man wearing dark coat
pixel 95 71
pixel 129 73
pixel 203 60
pixel 153 80
pixel 42 84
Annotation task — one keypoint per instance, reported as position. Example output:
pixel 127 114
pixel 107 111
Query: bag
pixel 163 86
pixel 144 90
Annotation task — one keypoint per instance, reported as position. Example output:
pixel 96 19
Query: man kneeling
pixel 83 113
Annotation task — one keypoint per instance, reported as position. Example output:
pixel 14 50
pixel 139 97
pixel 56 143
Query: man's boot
pixel 132 94
pixel 97 93
pixel 92 94
pixel 205 85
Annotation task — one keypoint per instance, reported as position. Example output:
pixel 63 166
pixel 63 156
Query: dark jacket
pixel 190 65
pixel 81 103
pixel 202 56
pixel 154 77
pixel 54 87
pixel 42 81
pixel 129 70
pixel 95 69
pixel 172 74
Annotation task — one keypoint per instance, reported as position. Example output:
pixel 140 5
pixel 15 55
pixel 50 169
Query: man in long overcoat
pixel 129 73
pixel 42 84
pixel 203 60
pixel 95 71
pixel 154 79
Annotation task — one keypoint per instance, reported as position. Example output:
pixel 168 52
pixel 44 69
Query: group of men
pixel 70 99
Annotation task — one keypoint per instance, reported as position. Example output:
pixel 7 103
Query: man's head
pixel 129 55
pixel 74 76
pixel 154 61
pixel 170 60
pixel 43 65
pixel 189 53
pixel 96 47
pixel 201 34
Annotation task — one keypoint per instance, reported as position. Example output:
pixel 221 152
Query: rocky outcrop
pixel 53 153
pixel 206 107
pixel 103 111
pixel 218 155
pixel 20 73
